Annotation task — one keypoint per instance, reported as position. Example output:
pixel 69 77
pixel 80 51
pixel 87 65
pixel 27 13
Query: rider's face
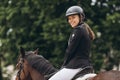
pixel 74 20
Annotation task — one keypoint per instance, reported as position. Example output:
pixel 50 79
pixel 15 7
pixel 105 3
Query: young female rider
pixel 78 50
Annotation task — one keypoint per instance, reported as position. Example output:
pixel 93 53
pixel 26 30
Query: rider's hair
pixel 89 30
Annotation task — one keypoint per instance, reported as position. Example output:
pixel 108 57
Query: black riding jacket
pixel 78 50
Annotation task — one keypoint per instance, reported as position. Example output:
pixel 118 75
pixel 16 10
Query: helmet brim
pixel 73 13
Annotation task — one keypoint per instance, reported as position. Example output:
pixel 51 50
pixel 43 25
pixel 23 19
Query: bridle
pixel 21 67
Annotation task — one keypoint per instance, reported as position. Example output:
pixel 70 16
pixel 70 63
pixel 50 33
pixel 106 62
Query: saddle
pixel 86 70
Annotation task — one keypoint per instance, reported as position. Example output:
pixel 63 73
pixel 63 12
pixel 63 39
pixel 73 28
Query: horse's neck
pixel 43 66
pixel 40 64
pixel 35 75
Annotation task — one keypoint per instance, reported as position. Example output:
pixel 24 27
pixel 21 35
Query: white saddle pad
pixel 85 77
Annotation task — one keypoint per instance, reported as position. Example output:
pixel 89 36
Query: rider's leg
pixel 65 74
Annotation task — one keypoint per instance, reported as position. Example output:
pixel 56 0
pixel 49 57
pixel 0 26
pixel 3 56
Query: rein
pixel 21 67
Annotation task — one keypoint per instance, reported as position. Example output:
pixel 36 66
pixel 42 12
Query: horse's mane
pixel 39 63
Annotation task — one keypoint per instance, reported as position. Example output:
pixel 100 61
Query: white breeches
pixel 65 74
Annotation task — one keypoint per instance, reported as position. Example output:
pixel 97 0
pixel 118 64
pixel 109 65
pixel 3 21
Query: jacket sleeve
pixel 72 46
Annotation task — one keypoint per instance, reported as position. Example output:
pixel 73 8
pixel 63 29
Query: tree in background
pixel 0 69
pixel 107 21
pixel 42 24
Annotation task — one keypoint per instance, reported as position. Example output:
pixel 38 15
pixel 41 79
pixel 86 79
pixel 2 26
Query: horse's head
pixel 32 66
pixel 23 66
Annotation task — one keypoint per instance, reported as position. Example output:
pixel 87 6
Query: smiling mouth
pixel 72 23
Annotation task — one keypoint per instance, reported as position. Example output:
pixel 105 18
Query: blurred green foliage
pixel 42 24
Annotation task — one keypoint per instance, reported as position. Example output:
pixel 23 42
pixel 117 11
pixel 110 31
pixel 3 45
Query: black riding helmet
pixel 75 10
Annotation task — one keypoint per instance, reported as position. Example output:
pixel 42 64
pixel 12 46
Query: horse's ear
pixel 22 52
pixel 36 51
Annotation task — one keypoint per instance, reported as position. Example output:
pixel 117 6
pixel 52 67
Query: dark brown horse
pixel 35 67
pixel 106 75
pixel 109 75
